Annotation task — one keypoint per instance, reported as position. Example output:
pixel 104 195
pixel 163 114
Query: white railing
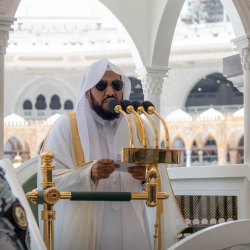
pixel 227 180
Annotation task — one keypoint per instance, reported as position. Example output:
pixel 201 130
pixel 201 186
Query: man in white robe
pixel 99 225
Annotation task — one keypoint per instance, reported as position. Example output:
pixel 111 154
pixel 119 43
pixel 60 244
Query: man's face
pixel 98 100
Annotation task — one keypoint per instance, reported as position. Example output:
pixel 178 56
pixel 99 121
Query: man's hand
pixel 138 172
pixel 102 169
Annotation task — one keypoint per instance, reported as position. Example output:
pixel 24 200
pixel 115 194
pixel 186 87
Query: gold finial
pixel 17 158
pixel 47 167
pixel 47 157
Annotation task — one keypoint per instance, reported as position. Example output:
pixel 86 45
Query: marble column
pixel 233 157
pixel 243 46
pixel 152 79
pixel 222 155
pixel 200 153
pixel 1 103
pixel 188 157
pixel 245 60
pixel 5 27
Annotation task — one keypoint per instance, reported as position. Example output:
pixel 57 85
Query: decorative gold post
pixel 152 184
pixel 48 214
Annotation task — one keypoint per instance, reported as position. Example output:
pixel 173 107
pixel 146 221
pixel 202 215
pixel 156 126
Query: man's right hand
pixel 102 169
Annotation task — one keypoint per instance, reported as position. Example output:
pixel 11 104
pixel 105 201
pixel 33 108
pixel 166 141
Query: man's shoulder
pixel 64 118
pixel 62 122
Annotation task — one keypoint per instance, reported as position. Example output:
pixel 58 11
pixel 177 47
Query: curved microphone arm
pixel 115 107
pixel 150 109
pixel 140 110
pixel 128 108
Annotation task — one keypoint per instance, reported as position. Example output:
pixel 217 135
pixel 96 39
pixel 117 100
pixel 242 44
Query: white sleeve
pixel 59 141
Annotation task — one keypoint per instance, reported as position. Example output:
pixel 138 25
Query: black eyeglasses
pixel 116 85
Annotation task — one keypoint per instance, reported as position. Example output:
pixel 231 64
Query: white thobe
pixel 111 210
pixel 95 225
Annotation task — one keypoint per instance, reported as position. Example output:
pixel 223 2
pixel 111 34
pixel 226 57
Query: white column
pixel 5 24
pixel 200 153
pixel 1 105
pixel 188 157
pixel 152 79
pixel 243 46
pixel 245 59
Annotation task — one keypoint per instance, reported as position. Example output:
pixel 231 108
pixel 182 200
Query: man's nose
pixel 109 90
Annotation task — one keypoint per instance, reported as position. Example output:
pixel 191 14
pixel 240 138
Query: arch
pixel 151 46
pixel 165 32
pixel 55 102
pixel 210 152
pixel 239 15
pixel 196 76
pixel 68 105
pixel 214 89
pixel 40 102
pixel 159 44
pixel 128 28
pixel 210 136
pixel 230 138
pixel 41 83
pixel 14 144
pixel 176 138
pixel 238 12
pixel 210 141
pixel 197 139
pixel 179 143
pixel 27 104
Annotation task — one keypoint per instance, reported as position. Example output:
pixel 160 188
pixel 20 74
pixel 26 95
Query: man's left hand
pixel 138 172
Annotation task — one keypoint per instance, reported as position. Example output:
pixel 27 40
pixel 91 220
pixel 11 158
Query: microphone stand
pixel 151 157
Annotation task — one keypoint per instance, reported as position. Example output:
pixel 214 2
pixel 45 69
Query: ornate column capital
pixel 245 58
pixel 152 79
pixel 5 28
pixel 243 46
pixel 241 42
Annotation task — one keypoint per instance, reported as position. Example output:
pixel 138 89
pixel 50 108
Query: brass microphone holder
pixel 150 157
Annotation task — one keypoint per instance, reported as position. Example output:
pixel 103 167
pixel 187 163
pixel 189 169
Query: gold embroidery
pixel 73 169
pixel 79 154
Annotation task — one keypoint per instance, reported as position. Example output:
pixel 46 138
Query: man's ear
pixel 87 94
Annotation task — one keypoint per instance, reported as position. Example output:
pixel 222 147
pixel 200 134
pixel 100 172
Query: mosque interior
pixel 201 100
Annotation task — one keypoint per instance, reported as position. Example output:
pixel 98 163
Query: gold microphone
pixel 115 107
pixel 150 109
pixel 128 108
pixel 140 110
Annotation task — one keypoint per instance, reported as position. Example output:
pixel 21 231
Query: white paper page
pixel 123 165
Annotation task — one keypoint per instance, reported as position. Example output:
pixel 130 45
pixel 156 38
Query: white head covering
pixel 85 122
